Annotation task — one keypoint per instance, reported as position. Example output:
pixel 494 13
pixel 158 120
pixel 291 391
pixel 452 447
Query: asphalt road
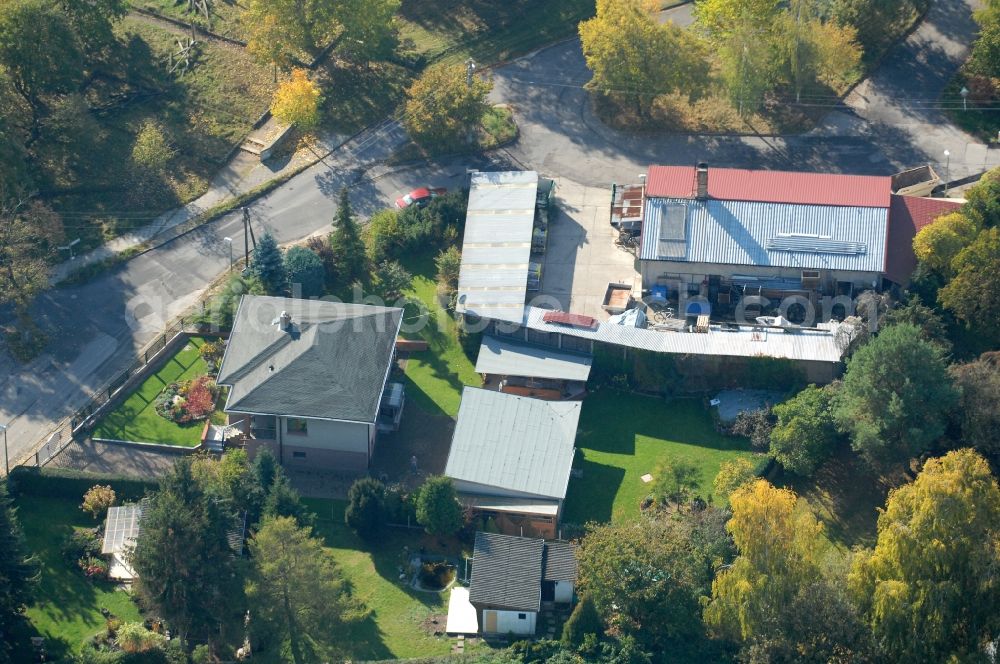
pixel 888 124
pixel 95 328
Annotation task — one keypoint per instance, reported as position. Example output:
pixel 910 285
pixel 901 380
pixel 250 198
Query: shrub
pixel 449 264
pixel 384 236
pixel 390 279
pixel 365 511
pixel 94 567
pixel 81 544
pixel 755 425
pixel 583 621
pixel 211 352
pixel 97 500
pixel 134 637
pixel 305 269
pixel 732 475
pixel 398 505
pixel 438 510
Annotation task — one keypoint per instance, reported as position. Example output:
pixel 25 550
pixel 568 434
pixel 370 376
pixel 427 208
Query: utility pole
pixel 947 170
pixel 229 241
pixel 246 237
pixel 6 460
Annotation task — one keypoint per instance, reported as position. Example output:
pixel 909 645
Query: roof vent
pixel 701 181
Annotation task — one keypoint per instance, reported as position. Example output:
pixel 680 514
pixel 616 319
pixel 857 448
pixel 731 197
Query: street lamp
pixel 70 247
pixel 229 241
pixel 6 461
pixel 947 170
pixel 965 98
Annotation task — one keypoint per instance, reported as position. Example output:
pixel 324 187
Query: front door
pixel 489 622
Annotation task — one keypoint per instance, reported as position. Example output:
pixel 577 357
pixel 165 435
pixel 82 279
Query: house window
pixel 297 426
pixel 298 455
pixel 522 616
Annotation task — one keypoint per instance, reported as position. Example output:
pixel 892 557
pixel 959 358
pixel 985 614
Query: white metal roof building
pixel 514 446
pixel 496 248
pixel 503 357
pixel 825 344
pixel 756 233
pixel 121 528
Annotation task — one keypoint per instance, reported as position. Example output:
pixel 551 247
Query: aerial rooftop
pixel 327 360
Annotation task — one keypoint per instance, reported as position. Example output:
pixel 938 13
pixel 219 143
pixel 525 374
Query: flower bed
pixel 189 401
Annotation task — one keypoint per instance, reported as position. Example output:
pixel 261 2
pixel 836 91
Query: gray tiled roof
pixel 560 561
pixel 331 364
pixel 514 443
pixel 507 572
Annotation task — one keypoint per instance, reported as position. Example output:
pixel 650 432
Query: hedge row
pixel 72 484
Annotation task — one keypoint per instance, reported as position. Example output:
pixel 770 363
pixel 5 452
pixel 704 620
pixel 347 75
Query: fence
pixel 64 433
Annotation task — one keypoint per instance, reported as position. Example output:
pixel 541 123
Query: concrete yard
pixel 581 257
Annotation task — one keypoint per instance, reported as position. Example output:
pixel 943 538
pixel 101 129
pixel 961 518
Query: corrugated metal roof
pixel 514 443
pixel 516 505
pixel 508 358
pixel 496 246
pixel 907 216
pixel 507 572
pixel 737 184
pixel 749 233
pixel 560 561
pixel 824 345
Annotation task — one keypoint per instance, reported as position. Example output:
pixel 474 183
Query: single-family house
pixel 513 576
pixel 307 378
pixel 511 458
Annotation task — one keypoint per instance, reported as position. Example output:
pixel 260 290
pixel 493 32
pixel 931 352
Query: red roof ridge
pixel 764 186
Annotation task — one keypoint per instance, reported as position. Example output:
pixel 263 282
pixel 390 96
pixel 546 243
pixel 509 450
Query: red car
pixel 420 197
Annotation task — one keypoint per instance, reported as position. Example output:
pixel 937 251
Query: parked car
pixel 420 197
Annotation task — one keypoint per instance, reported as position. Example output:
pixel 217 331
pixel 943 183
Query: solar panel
pixel 121 528
pixel 816 245
pixel 673 221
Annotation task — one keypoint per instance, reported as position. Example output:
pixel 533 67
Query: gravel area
pixel 733 402
pixel 114 459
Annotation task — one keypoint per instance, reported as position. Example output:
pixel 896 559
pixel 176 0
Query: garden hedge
pixel 68 483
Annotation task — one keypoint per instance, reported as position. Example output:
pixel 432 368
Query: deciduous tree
pixel 29 231
pixel 675 481
pixel 937 244
pixel 280 31
pixel 449 264
pixel 297 101
pixel 369 28
pixel 732 475
pixel 442 108
pixel 777 547
pixel 299 596
pixel 895 395
pixel 390 280
pixel 646 578
pixel 971 294
pixel 805 433
pixel 978 411
pixel 438 509
pixel 931 588
pixel 634 58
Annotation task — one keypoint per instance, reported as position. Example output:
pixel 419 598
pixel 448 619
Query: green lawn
pixel 67 607
pixel 623 436
pixel 489 31
pixel 137 420
pixel 396 627
pixel 435 377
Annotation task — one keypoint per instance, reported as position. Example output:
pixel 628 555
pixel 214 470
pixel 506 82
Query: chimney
pixel 701 180
pixel 285 321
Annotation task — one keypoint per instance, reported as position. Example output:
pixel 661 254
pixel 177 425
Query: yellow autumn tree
pixel 443 107
pixel 930 590
pixel 777 544
pixel 297 101
pixel 939 242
